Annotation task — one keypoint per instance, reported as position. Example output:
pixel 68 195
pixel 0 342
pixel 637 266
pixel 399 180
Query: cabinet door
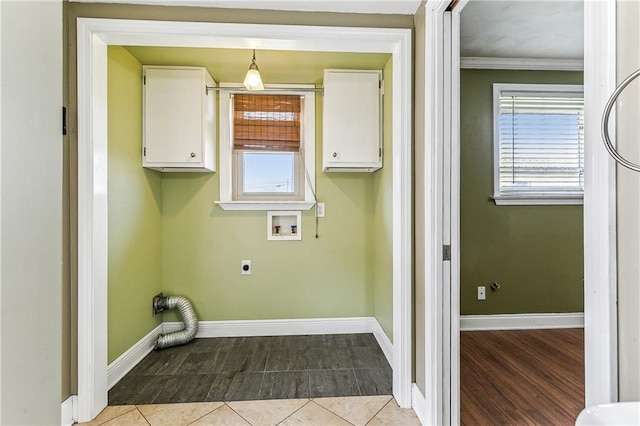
pixel 351 119
pixel 173 115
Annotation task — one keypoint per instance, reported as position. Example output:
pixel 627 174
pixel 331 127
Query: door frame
pixel 600 277
pixel 432 404
pixel 600 240
pixel 94 35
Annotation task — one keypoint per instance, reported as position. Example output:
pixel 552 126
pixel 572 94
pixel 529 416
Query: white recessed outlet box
pixel 245 267
pixel 482 292
pixel 320 210
pixel 284 226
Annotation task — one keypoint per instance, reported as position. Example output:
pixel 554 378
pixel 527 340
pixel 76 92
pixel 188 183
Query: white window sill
pixel 266 205
pixel 538 200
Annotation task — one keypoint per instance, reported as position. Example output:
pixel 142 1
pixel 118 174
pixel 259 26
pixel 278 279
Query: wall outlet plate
pixel 320 210
pixel 245 267
pixel 482 292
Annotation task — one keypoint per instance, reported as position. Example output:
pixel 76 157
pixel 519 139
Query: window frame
pixel 238 179
pixel 306 158
pixel 528 198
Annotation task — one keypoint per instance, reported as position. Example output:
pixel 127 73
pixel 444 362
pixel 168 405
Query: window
pixel 267 150
pixel 538 144
pixel 266 147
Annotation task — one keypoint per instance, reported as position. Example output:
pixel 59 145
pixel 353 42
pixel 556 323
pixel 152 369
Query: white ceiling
pixel 522 29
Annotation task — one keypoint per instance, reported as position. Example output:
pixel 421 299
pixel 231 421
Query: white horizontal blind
pixel 540 143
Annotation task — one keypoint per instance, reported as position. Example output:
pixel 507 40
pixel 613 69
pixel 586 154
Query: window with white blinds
pixel 538 144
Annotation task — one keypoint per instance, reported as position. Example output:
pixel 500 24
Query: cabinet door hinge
pixel 144 151
pixel 64 121
pixel 381 86
pixel 446 252
pixel 144 79
pixel 379 152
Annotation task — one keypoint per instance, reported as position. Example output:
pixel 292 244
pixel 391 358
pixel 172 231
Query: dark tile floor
pixel 251 368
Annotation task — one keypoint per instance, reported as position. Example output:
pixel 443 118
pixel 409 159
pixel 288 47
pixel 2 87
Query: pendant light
pixel 252 80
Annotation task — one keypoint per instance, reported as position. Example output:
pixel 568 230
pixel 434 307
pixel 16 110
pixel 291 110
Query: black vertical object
pixel 64 121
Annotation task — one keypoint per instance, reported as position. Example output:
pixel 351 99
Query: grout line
pixel 324 408
pixel 301 407
pixel 143 416
pixel 112 418
pixel 204 415
pixel 241 416
pixel 378 412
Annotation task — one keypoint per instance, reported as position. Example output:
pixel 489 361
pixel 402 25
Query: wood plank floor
pixel 521 377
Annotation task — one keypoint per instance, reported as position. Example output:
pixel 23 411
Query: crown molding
pixel 535 64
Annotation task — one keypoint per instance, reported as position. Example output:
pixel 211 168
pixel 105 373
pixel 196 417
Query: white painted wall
pixel 30 212
pixel 628 190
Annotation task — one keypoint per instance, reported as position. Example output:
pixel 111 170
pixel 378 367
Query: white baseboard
pixel 290 327
pixel 125 362
pixel 383 340
pixel 68 412
pixel 521 321
pixel 418 403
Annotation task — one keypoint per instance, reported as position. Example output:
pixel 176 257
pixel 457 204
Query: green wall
pixel 135 220
pixel 324 277
pixel 194 248
pixel 535 253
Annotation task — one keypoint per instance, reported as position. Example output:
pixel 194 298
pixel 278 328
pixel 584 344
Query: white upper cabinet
pixel 178 119
pixel 352 121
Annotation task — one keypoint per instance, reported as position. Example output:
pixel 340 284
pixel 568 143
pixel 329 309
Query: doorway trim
pixel 94 35
pixel 600 239
pixel 600 277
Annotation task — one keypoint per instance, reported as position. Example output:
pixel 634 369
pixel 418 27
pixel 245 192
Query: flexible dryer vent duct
pixel 182 304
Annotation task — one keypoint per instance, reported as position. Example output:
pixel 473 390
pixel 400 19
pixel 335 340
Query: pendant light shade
pixel 253 81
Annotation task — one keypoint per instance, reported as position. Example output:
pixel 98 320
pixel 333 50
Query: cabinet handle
pixel 193 154
pixel 335 154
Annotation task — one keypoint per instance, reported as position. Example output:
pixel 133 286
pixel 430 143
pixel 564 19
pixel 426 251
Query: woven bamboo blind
pixel 266 122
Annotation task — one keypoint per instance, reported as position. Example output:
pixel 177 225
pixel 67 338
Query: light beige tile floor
pixel 354 410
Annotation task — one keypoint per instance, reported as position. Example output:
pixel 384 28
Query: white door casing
pixel 455 213
pixel 94 35
pixel 601 350
pixel 436 128
pixel 600 258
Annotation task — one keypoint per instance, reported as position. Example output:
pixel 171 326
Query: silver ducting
pixel 189 318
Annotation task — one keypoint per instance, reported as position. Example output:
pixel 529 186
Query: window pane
pixel 265 172
pixel 541 143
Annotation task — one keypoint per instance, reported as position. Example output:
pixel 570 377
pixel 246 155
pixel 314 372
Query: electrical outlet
pixel 320 210
pixel 482 295
pixel 245 267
